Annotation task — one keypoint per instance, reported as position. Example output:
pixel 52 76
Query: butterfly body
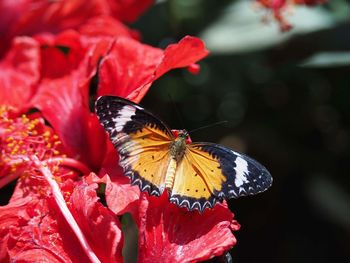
pixel 196 175
pixel 178 146
pixel 177 151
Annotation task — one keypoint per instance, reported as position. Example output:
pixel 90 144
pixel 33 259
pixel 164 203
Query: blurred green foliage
pixel 286 98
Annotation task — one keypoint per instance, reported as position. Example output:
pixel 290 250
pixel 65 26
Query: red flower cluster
pixel 279 6
pixel 56 58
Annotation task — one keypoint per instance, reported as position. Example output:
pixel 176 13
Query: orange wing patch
pixel 144 155
pixel 198 179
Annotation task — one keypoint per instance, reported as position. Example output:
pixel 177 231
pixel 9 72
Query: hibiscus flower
pixel 30 17
pixel 54 213
pixel 278 7
pixel 37 223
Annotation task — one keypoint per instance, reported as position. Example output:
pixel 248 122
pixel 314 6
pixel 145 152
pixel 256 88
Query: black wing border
pixel 257 172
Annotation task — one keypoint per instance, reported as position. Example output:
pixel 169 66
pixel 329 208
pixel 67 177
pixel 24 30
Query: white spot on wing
pixel 124 115
pixel 241 171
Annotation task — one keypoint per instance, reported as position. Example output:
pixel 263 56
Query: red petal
pixel 106 26
pixel 28 232
pixel 100 225
pixel 20 73
pixel 177 235
pixel 29 17
pixel 121 196
pixel 63 94
pixel 188 51
pixel 66 50
pixel 130 68
pixel 34 228
pixel 129 10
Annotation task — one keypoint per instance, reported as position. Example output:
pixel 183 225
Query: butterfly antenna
pixel 207 126
pixel 179 115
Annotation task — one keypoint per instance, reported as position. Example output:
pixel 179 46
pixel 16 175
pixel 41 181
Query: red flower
pixel 176 235
pixel 63 93
pixel 54 213
pixel 278 6
pixel 35 228
pixel 37 223
pixel 34 16
pixel 24 137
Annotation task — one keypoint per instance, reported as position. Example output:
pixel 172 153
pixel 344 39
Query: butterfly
pixel 196 175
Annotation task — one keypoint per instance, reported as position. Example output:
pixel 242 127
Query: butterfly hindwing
pixel 141 140
pixel 210 173
pixel 192 186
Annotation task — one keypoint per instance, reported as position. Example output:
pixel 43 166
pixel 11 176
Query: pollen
pixel 9 139
pixel 41 191
pixel 46 134
pixel 58 179
pixel 23 136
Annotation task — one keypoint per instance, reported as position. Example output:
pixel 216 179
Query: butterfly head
pixel 182 135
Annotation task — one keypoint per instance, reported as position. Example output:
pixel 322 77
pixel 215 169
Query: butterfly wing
pixel 141 139
pixel 210 173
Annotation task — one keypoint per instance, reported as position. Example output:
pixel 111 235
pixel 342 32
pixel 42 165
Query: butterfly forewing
pixel 141 140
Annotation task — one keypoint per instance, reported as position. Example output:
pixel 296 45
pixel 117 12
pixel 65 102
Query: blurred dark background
pixel 286 97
